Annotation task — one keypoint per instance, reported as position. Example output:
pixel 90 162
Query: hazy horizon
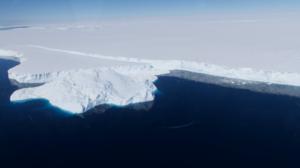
pixel 18 12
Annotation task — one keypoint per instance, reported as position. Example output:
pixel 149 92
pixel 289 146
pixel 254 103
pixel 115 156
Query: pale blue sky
pixel 30 11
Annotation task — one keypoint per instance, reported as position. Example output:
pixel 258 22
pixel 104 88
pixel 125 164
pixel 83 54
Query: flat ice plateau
pixel 80 66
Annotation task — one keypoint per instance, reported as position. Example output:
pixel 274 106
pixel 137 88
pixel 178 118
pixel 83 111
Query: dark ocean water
pixel 191 124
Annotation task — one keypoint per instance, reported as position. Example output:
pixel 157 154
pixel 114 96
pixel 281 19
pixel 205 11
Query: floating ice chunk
pixel 80 90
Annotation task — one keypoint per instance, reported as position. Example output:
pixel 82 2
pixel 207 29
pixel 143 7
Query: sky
pixel 36 11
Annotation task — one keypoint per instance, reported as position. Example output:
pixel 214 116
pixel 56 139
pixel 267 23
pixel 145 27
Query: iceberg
pixel 80 90
pixel 79 67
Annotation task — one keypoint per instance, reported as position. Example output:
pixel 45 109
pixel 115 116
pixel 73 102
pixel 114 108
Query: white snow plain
pixel 83 66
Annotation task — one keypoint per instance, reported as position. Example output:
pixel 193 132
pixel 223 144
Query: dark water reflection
pixel 190 124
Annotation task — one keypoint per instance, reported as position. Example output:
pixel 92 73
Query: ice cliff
pixel 80 90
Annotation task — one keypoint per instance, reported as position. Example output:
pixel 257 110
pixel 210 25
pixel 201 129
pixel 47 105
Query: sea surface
pixel 190 124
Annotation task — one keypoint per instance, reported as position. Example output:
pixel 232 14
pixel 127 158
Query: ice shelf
pixel 79 67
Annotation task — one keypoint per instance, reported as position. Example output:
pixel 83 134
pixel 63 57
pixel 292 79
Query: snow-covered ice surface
pixel 80 90
pixel 10 55
pixel 82 66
